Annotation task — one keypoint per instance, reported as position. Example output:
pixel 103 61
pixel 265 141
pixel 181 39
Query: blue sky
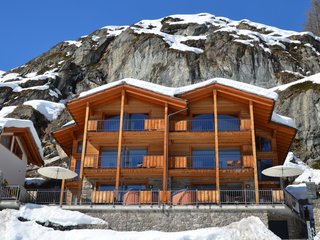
pixel 30 27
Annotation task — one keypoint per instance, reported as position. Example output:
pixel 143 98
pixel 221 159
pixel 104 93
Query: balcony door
pixel 202 122
pixel 134 121
pixel 108 158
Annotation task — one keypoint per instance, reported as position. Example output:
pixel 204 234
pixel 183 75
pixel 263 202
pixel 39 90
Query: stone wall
pixel 181 219
pixel 172 219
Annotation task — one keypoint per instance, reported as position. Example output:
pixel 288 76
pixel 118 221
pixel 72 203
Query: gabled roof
pixel 28 136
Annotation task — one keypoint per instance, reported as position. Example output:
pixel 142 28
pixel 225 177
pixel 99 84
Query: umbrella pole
pixel 62 192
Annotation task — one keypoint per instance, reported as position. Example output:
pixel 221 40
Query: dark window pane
pixel 263 144
pixel 6 141
pixel 228 123
pixel 78 166
pixel 104 187
pixel 202 122
pixel 203 158
pixel 229 158
pixel 264 164
pixel 135 121
pixel 133 158
pixel 108 158
pixel 79 146
pixel 111 123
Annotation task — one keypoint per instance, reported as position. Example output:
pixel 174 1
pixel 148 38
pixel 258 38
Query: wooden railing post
pixel 84 144
pixel 254 153
pixel 165 152
pixel 216 144
pixel 120 143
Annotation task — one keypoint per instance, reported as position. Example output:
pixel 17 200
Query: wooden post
pixel 165 152
pixel 216 144
pixel 62 191
pixel 84 142
pixel 254 153
pixel 120 142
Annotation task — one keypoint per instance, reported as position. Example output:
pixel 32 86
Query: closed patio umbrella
pixel 281 172
pixel 57 173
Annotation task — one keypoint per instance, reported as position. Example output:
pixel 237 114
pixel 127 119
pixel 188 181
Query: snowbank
pixel 50 110
pixel 56 215
pixel 19 123
pixel 314 174
pixel 12 228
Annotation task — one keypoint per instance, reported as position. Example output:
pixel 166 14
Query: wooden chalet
pixel 134 142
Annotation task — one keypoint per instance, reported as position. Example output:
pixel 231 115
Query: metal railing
pixel 128 125
pixel 153 197
pixel 127 161
pixel 13 192
pixel 204 125
pixel 205 161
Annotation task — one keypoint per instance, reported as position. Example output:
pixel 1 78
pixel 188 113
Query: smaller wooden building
pixel 19 146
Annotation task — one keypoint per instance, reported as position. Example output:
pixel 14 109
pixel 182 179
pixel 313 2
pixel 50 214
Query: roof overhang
pixel 28 144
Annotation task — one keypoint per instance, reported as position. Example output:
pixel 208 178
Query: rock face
pixel 174 51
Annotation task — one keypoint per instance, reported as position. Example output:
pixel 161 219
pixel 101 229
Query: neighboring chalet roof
pixel 263 100
pixel 28 136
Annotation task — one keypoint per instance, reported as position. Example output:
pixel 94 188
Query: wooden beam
pixel 216 144
pixel 274 148
pixel 84 141
pixel 165 149
pixel 62 191
pixel 123 93
pixel 254 153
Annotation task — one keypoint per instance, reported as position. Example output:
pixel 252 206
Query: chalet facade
pixel 19 146
pixel 138 142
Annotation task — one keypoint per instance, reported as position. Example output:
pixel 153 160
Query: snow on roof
pixel 313 78
pixel 51 110
pixel 21 123
pixel 6 111
pixel 172 92
pixel 16 229
pixel 72 122
pixel 283 120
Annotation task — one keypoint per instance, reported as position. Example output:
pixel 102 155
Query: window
pixel 108 158
pixel 79 146
pixel 202 122
pixel 134 121
pixel 263 164
pixel 111 123
pixel 228 123
pixel 105 187
pixel 6 141
pixel 17 150
pixel 263 144
pixel 229 158
pixel 133 157
pixel 78 167
pixel 203 158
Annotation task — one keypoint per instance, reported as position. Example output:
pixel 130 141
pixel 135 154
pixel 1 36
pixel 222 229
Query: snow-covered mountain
pixel 176 50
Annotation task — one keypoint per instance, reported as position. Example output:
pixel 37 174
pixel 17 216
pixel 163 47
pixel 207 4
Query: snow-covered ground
pixel 13 229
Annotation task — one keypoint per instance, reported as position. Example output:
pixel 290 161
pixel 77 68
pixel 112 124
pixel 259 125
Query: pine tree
pixel 313 18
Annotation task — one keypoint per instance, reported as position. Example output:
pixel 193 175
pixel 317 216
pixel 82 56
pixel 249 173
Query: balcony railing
pixel 191 125
pixel 13 192
pixel 128 125
pixel 157 197
pixel 226 161
pixel 127 161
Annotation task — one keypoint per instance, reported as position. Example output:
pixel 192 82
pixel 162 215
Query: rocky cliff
pixel 176 50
